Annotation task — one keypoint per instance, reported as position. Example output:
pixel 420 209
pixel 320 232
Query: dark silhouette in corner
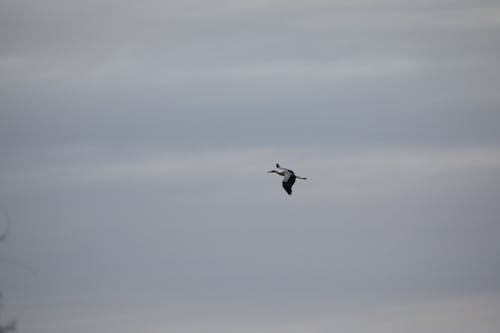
pixel 10 326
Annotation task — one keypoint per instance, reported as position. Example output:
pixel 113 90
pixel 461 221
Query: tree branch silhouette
pixel 4 234
pixel 10 326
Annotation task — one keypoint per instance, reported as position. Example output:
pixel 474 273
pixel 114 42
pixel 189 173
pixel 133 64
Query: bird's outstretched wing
pixel 288 182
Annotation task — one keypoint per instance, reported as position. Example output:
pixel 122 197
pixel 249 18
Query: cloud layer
pixel 135 139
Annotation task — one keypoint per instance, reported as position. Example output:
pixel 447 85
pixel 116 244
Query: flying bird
pixel 288 177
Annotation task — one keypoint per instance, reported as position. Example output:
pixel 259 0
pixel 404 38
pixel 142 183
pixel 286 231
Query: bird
pixel 288 177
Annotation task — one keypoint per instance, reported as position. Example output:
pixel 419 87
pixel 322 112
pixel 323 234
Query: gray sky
pixel 135 136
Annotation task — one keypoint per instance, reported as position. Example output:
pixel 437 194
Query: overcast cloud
pixel 135 137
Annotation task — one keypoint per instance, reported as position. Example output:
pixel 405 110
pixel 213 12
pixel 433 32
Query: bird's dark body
pixel 288 184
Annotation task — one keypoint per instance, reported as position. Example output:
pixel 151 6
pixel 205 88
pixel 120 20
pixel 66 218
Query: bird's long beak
pixel 270 171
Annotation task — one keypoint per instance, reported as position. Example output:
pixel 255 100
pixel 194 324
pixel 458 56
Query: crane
pixel 288 177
